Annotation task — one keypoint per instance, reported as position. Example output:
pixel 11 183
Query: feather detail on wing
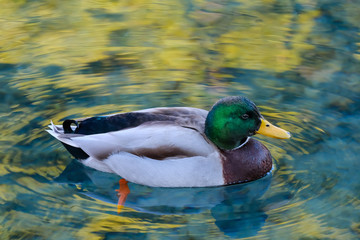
pixel 158 133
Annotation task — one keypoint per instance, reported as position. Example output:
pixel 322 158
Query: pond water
pixel 297 60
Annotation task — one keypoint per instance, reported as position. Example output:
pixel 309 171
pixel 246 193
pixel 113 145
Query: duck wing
pixel 158 133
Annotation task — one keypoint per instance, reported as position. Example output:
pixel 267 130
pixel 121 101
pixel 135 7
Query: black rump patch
pixel 78 153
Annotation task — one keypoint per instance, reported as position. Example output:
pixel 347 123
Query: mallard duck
pixel 175 146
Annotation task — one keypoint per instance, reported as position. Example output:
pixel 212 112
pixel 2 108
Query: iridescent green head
pixel 232 119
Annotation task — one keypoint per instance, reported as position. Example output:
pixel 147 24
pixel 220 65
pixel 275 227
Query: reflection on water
pixel 298 61
pixel 237 209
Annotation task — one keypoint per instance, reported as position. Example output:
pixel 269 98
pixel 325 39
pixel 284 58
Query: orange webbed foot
pixel 122 194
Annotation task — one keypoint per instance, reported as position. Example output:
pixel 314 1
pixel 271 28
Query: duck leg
pixel 122 194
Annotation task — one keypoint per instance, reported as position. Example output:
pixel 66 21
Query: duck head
pixel 233 119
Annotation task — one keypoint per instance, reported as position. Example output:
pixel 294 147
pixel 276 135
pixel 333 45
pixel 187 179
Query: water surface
pixel 297 60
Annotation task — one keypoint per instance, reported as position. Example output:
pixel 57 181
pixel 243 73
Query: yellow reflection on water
pixel 115 223
pixel 157 35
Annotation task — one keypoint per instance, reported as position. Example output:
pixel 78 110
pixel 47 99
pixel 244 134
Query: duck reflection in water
pixel 237 209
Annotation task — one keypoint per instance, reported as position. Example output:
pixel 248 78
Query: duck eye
pixel 245 116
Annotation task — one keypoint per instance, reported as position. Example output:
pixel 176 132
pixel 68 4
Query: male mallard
pixel 175 147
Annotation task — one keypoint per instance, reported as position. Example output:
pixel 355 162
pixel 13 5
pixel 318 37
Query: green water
pixel 297 60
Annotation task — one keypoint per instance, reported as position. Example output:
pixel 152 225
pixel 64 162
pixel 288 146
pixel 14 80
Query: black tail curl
pixel 67 125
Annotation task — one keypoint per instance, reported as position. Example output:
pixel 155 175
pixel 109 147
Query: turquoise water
pixel 298 61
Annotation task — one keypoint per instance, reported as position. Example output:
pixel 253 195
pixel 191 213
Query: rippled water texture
pixel 297 60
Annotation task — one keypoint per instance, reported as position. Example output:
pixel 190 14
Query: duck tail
pixel 57 132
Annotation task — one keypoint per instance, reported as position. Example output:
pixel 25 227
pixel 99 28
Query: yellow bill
pixel 267 129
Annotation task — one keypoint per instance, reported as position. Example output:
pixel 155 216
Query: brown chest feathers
pixel 248 163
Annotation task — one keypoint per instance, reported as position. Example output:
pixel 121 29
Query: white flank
pixel 96 164
pixel 186 172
